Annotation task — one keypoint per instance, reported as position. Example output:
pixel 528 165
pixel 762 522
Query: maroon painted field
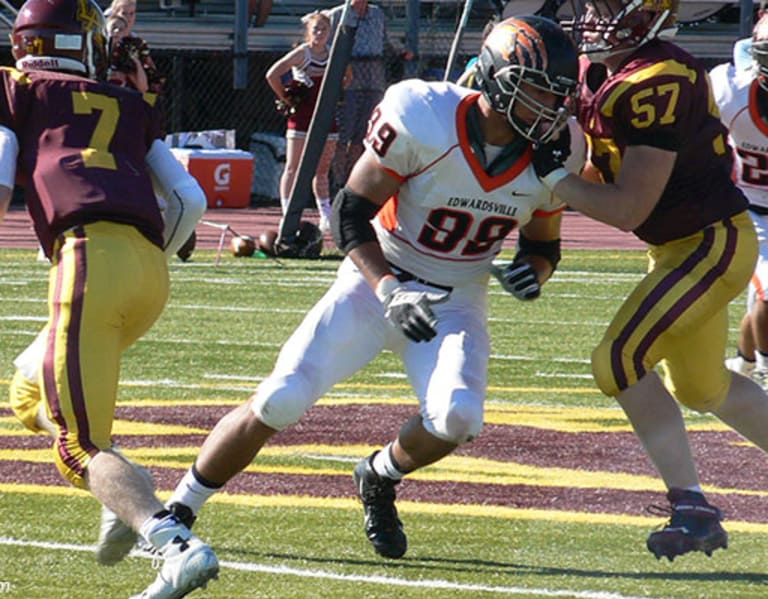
pixel 722 465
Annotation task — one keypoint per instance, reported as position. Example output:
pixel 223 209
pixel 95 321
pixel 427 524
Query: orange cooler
pixel 226 176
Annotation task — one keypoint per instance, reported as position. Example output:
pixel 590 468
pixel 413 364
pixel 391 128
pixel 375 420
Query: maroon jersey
pixel 82 146
pixel 661 97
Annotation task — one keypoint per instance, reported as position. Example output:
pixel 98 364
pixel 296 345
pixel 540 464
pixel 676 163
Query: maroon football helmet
pixel 60 35
pixel 604 27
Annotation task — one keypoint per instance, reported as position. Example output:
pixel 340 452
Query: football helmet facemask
pixel 760 50
pixel 604 27
pixel 523 55
pixel 60 35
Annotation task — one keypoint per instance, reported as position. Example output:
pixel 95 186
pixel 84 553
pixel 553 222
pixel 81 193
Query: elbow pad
pixel 180 196
pixel 9 153
pixel 351 220
pixel 185 206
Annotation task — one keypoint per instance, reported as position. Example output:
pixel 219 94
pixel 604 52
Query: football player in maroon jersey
pixel 86 152
pixel 659 146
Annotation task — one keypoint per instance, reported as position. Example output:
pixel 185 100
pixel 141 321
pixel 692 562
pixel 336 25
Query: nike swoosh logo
pixel 517 194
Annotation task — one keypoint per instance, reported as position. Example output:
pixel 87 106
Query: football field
pixel 549 501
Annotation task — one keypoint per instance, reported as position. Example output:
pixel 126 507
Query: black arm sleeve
pixel 550 250
pixel 351 220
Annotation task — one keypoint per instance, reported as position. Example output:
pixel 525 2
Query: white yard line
pixel 360 578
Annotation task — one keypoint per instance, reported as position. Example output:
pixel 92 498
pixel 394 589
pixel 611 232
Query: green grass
pixel 221 332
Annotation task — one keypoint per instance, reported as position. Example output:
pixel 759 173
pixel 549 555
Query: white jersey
pixel 450 216
pixel 735 91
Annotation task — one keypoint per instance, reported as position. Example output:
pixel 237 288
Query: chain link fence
pixel 199 92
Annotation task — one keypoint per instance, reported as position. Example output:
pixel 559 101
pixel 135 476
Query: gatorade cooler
pixel 226 176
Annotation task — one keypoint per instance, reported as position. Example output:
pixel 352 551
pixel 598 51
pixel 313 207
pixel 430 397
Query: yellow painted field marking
pixel 409 507
pixel 276 460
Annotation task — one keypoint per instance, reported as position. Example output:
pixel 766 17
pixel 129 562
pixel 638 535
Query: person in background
pixel 445 177
pixel 127 46
pixel 369 80
pixel 125 9
pixel 657 141
pixel 304 68
pixel 86 151
pixel 742 96
pixel 125 67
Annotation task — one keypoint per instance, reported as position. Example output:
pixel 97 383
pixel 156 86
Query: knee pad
pixel 26 401
pixel 281 401
pixel 700 396
pixel 461 423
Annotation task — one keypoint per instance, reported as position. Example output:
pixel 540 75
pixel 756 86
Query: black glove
pixel 519 279
pixel 551 156
pixel 409 309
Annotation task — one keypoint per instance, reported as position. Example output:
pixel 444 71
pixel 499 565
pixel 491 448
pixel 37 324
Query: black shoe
pixel 185 251
pixel 183 514
pixel 383 527
pixel 694 525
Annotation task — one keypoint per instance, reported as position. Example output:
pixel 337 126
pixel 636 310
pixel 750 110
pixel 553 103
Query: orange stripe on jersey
pixel 545 213
pixel 754 113
pixel 394 174
pixel 388 214
pixel 758 288
pixel 487 182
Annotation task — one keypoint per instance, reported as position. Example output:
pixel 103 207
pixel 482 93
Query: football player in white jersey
pixel 446 175
pixel 742 96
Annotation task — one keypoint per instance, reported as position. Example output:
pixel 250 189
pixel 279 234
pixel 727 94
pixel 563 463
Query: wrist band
pixel 385 286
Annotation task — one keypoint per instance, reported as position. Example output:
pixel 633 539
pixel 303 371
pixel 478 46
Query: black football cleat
pixel 694 525
pixel 382 526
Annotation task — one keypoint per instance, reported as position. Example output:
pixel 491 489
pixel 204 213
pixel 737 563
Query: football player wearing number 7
pixel 658 143
pixel 446 174
pixel 86 151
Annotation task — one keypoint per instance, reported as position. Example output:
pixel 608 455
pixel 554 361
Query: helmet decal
pixel 521 58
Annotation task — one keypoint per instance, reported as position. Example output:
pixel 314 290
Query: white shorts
pixel 347 329
pixel 758 285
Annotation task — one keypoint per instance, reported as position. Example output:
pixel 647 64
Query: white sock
pixel 761 360
pixel 192 491
pixel 695 489
pixel 284 204
pixel 324 206
pixel 158 531
pixel 384 464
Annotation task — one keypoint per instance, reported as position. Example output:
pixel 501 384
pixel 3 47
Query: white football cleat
pixel 116 539
pixel 760 377
pixel 188 565
pixel 740 365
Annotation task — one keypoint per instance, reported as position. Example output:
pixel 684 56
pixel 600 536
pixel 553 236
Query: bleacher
pixel 209 25
pixel 212 26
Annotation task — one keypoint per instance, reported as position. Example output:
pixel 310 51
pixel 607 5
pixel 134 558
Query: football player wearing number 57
pixel 446 174
pixel 658 143
pixel 86 152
